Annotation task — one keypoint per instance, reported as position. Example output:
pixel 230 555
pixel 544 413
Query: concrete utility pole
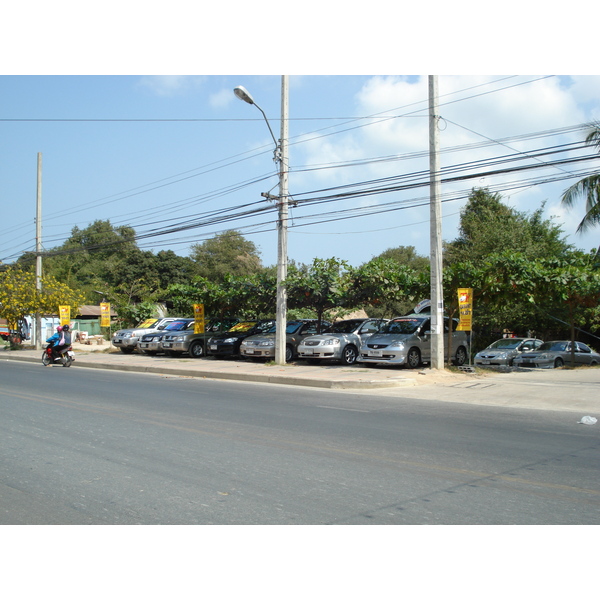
pixel 38 251
pixel 435 257
pixel 281 157
pixel 282 228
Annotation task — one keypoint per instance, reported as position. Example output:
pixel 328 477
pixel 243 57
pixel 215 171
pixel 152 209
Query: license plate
pixel 213 347
pixel 71 354
pixel 309 351
pixel 485 362
pixel 375 353
pixel 249 351
pixel 167 345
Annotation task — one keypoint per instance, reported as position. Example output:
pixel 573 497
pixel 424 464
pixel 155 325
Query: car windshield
pixel 290 328
pixel 177 325
pixel 345 326
pixel 149 323
pixel 508 343
pixel 293 326
pixel 553 347
pixel 243 326
pixel 401 326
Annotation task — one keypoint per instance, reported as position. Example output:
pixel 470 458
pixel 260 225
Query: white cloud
pixel 170 85
pixel 474 109
pixel 221 99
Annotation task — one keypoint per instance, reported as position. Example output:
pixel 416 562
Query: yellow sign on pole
pixel 65 315
pixel 465 307
pixel 198 318
pixel 104 314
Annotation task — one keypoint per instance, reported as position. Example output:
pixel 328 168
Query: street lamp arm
pixel 243 94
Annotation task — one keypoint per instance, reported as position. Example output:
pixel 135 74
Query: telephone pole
pixel 435 255
pixel 38 251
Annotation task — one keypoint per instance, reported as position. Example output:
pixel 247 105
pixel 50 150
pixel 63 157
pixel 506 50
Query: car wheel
pixel 349 355
pixel 289 354
pixel 126 350
pixel 413 358
pixel 461 357
pixel 558 362
pixel 196 349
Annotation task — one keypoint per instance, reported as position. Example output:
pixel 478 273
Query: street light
pixel 281 157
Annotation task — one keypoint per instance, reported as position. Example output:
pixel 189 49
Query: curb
pixel 253 377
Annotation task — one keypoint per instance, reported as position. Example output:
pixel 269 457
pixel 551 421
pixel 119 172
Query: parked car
pixel 127 339
pixel 228 343
pixel 407 341
pixel 502 352
pixel 551 355
pixel 150 343
pixel 341 342
pixel 180 342
pixel 263 345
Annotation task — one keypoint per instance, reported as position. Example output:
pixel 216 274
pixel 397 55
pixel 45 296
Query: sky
pixel 165 152
pixel 136 122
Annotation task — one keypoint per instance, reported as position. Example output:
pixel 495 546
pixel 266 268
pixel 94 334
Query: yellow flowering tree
pixel 19 295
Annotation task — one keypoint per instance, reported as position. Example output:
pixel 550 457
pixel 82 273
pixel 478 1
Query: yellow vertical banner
pixel 64 313
pixel 465 307
pixel 198 318
pixel 104 314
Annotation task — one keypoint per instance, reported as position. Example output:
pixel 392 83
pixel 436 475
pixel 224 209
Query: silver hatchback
pixel 341 342
pixel 407 341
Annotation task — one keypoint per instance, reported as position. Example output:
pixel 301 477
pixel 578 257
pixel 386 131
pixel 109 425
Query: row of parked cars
pixel 401 341
pixel 532 352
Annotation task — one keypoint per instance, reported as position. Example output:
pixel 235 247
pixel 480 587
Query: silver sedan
pixel 551 355
pixel 341 342
pixel 502 352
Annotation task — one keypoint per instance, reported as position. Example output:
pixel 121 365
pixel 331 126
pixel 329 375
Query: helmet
pixel 66 328
pixel 59 329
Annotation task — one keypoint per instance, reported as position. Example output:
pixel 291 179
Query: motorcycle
pixel 65 358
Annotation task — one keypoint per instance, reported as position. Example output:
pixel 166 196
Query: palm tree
pixel 588 188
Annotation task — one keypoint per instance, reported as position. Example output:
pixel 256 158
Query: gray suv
pixel 180 342
pixel 407 341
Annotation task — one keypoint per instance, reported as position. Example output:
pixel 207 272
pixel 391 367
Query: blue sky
pixel 134 115
pixel 156 151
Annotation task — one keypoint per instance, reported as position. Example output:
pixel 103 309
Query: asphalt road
pixel 83 446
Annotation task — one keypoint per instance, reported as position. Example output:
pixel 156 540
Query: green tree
pixel 19 295
pixel 321 286
pixel 488 226
pixel 228 253
pixel 387 288
pixel 588 188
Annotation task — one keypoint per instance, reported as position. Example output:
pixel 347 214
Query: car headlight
pixel 396 346
pixel 179 338
pixel 543 356
pixel 267 343
pixel 231 340
pixel 331 342
pixel 501 355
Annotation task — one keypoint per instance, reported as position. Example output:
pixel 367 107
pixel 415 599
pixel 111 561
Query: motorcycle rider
pixel 64 341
